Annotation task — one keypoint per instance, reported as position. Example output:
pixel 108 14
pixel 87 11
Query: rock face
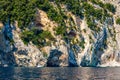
pixel 56 59
pixel 16 52
pixel 83 48
pixel 112 52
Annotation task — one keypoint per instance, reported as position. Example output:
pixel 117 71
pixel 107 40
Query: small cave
pixel 53 59
pixel 72 33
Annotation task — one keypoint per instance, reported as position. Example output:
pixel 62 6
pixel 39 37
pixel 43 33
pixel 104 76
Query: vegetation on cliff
pixel 118 21
pixel 36 36
pixel 23 11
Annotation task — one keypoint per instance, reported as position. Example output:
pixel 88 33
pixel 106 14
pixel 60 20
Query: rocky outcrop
pixel 14 51
pixel 82 47
pixel 6 49
pixel 56 59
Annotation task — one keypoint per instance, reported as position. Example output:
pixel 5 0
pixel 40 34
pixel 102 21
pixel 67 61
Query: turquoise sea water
pixel 65 73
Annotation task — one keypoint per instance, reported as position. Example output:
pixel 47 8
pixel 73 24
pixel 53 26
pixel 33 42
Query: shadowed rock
pixel 53 59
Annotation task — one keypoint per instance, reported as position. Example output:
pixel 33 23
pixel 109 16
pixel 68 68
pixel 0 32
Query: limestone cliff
pixel 78 45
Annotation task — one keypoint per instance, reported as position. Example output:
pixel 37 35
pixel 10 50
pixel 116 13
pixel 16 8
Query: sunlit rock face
pixel 111 58
pixel 82 48
pixel 14 52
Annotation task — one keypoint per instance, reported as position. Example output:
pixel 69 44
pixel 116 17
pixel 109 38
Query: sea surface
pixel 65 73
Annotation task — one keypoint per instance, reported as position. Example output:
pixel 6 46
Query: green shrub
pixel 46 34
pixel 23 11
pixel 118 21
pixel 27 36
pixel 110 7
pixel 45 54
pixel 60 30
pixel 38 38
pixel 82 44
